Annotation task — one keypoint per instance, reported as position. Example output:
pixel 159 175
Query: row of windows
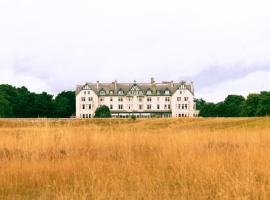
pixel 120 99
pixel 89 99
pixel 85 116
pixel 181 115
pixel 140 99
pixel 183 106
pixel 86 106
pixel 179 98
pixel 121 92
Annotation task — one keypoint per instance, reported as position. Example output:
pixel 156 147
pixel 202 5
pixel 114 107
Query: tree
pixel 103 112
pixel 64 104
pixel 43 105
pixel 263 108
pixel 200 103
pixel 232 105
pixel 208 110
pixel 5 107
pixel 249 107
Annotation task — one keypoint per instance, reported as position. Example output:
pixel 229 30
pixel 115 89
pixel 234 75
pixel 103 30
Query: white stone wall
pixel 179 102
pixel 93 101
pixel 180 97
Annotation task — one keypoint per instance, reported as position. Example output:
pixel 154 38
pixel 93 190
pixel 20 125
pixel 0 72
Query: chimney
pixel 115 84
pixel 171 84
pixel 192 86
pixel 97 85
pixel 152 80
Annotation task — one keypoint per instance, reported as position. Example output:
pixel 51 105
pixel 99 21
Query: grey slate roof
pixel 112 89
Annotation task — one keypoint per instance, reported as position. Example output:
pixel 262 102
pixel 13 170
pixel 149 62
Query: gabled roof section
pixel 112 89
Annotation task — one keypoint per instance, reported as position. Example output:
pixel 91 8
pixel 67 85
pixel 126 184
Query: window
pixel 167 92
pixel 88 92
pixel 85 92
pixel 86 115
pixel 140 99
pixel 129 99
pixel 148 106
pixel 149 92
pixel 120 99
pixel 158 92
pixel 129 107
pixel 140 107
pixel 186 98
pixel 101 99
pixel 120 107
pixel 83 106
pixel 111 99
pixel 120 92
pixel 102 92
pixel 181 92
pixel 167 99
pixel 186 106
pixel 149 99
pixel 169 106
pixel 90 106
pixel 179 106
pixel 111 107
pixel 83 98
pixel 178 98
pixel 111 92
pixel 83 115
pixel 165 107
pixel 158 107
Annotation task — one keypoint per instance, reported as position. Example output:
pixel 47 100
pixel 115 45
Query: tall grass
pixel 142 159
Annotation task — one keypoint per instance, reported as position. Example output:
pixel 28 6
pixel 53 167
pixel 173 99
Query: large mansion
pixel 165 99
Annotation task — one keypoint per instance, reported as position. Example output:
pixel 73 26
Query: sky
pixel 53 45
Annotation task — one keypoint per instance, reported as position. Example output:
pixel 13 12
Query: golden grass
pixel 143 159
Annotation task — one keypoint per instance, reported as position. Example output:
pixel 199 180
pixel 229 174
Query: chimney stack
pixel 97 85
pixel 115 84
pixel 171 84
pixel 152 80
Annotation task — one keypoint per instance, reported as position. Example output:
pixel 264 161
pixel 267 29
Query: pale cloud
pixel 55 44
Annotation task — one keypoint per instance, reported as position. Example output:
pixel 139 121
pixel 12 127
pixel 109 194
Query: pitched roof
pixel 156 88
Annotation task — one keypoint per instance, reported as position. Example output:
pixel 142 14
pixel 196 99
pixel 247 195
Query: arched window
pixel 149 92
pixel 167 92
pixel 102 92
pixel 120 92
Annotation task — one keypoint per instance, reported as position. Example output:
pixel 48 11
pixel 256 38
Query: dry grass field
pixel 162 159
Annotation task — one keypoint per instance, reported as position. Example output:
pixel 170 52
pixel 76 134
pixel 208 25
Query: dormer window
pixel 120 92
pixel 149 92
pixel 167 92
pixel 158 92
pixel 111 92
pixel 102 92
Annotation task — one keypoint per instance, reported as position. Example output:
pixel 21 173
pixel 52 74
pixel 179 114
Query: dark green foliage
pixel 19 102
pixel 209 110
pixel 64 104
pixel 133 117
pixel 238 106
pixel 103 112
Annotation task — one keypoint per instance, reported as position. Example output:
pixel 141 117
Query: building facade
pixel 165 99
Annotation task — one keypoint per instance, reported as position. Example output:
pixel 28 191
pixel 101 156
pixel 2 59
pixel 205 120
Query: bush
pixel 103 112
pixel 133 117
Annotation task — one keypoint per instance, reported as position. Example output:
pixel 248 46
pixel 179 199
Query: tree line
pixel 254 105
pixel 21 103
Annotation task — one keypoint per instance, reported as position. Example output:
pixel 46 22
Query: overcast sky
pixel 52 45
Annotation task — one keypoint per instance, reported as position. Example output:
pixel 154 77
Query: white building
pixel 166 99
